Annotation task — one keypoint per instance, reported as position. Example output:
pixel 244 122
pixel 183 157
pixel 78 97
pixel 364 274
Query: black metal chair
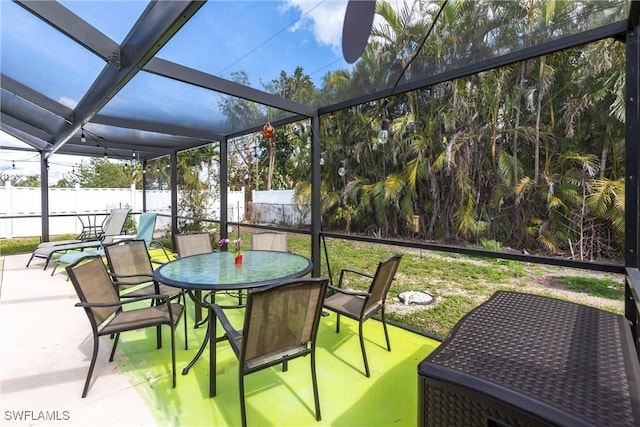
pixel 193 244
pixel 280 324
pixel 188 244
pixel 361 306
pixel 131 270
pixel 104 307
pixel 270 241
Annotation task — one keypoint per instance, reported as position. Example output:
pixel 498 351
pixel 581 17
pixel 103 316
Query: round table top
pixel 218 271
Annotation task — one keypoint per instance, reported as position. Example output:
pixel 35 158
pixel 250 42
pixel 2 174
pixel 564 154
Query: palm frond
pixel 393 186
pixel 465 217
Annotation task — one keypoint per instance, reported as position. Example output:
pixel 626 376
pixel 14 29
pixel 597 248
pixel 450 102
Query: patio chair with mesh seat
pixel 104 308
pixel 112 226
pixel 131 269
pixel 188 244
pixel 146 228
pixel 361 306
pixel 280 324
pixel 270 241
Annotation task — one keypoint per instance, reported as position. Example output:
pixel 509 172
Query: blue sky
pixel 261 38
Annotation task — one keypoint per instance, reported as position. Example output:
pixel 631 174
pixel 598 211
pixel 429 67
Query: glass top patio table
pixel 217 271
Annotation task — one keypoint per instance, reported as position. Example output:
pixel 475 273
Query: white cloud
pixel 324 19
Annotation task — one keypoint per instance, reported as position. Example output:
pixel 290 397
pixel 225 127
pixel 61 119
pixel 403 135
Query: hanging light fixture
pixel 383 134
pixel 268 130
pixel 82 137
pixel 342 170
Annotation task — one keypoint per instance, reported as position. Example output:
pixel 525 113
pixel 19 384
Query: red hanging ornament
pixel 268 130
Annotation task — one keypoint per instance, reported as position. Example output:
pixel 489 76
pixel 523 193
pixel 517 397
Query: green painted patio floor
pixel 276 398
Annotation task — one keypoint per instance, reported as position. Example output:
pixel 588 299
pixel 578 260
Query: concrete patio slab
pixel 45 350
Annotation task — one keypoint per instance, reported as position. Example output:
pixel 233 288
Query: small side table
pixel 91 229
pixel 529 360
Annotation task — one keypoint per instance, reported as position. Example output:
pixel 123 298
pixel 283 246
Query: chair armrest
pixel 83 240
pixel 122 302
pixel 159 245
pixel 224 320
pixel 98 304
pixel 349 292
pixel 115 277
pixel 348 270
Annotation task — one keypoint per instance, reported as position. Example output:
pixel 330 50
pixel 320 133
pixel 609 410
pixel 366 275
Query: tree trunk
pixel 272 162
pixel 516 135
pixel 538 114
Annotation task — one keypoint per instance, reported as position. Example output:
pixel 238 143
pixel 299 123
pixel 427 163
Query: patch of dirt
pixel 395 306
pixel 538 279
pixel 551 284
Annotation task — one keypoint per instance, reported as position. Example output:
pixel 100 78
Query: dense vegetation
pixel 530 155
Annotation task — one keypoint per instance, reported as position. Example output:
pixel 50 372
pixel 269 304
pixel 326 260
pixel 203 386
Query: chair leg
pixel 115 344
pixel 211 329
pixel 364 352
pixel 94 356
pixel 184 315
pixel 158 329
pixel 159 337
pixel 173 355
pixel 30 259
pixel 337 322
pixel 314 379
pixel 386 334
pixel 243 409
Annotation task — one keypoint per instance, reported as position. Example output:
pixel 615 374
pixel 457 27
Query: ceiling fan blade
pixel 356 28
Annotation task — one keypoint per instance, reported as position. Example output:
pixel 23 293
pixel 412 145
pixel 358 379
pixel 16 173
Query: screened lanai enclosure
pixel 495 129
pixel 460 126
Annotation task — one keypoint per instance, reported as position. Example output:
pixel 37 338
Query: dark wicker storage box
pixel 529 360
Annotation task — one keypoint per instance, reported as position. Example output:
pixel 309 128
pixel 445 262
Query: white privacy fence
pixel 17 204
pixel 76 204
